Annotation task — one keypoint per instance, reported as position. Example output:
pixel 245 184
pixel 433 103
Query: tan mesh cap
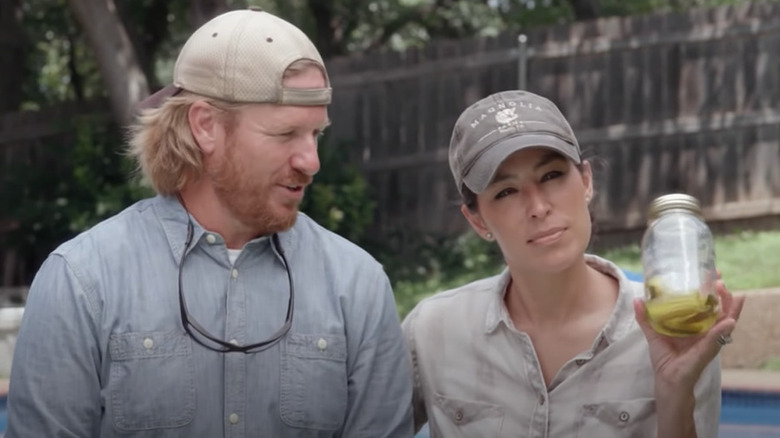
pixel 494 128
pixel 241 56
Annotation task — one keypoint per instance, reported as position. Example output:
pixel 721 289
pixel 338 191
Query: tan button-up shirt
pixel 476 375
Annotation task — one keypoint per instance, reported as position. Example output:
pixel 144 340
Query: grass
pixel 746 260
pixel 772 364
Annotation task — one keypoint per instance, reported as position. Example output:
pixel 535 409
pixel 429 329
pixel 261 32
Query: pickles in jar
pixel 675 314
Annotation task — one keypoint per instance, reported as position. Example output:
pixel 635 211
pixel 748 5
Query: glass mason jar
pixel 678 258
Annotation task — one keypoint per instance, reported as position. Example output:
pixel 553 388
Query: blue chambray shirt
pixel 102 353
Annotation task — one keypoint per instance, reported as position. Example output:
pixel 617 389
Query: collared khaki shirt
pixel 476 375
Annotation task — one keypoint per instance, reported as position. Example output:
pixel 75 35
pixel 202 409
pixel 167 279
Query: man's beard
pixel 247 199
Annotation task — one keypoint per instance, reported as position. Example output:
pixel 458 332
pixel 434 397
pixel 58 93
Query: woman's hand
pixel 680 361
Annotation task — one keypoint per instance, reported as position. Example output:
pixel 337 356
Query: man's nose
pixel 306 158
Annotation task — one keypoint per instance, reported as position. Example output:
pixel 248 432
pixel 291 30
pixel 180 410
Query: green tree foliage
pixel 339 199
pixel 90 180
pixel 340 27
pixel 82 179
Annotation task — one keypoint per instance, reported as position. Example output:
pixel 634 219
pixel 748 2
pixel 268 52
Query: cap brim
pixel 484 169
pixel 157 99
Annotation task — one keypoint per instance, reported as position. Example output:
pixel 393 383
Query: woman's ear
pixel 204 126
pixel 477 223
pixel 587 180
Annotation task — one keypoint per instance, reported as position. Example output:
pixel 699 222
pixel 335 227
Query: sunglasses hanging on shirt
pixel 206 339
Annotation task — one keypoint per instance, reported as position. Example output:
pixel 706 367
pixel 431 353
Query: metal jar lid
pixel 674 201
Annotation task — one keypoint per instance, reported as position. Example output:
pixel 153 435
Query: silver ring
pixel 724 339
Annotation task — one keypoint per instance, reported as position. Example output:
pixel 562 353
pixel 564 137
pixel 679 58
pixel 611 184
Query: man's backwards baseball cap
pixel 241 56
pixel 494 128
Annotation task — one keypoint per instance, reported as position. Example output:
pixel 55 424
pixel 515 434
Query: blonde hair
pixel 162 144
pixel 167 155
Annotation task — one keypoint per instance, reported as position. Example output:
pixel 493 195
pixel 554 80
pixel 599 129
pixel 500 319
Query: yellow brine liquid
pixel 680 314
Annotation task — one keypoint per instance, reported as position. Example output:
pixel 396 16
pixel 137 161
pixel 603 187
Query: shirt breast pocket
pixel 626 418
pixel 314 381
pixel 151 380
pixel 463 418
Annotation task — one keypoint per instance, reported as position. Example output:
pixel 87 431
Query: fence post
pixel 522 60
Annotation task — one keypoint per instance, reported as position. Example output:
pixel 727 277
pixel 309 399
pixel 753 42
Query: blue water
pixel 635 276
pixel 3 416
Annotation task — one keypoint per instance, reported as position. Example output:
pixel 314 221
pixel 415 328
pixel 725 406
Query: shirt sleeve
pixel 54 387
pixel 418 402
pixel 706 414
pixel 379 379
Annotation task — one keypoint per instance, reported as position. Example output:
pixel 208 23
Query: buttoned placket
pixel 541 414
pixel 235 363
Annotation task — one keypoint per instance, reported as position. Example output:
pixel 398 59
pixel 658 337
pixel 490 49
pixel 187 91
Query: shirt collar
pixel 496 309
pixel 620 321
pixel 174 218
pixel 622 318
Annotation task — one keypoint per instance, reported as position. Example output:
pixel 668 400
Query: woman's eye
pixel 505 192
pixel 551 175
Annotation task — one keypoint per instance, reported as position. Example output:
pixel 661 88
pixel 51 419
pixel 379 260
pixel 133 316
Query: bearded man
pixel 216 308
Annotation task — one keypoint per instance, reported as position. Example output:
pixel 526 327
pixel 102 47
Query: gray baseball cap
pixel 494 128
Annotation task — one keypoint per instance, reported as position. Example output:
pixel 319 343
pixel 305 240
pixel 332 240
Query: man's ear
pixel 477 223
pixel 204 126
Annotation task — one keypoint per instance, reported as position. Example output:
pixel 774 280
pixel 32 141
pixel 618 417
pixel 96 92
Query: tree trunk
pixel 325 35
pixel 585 9
pixel 202 11
pixel 116 57
pixel 13 52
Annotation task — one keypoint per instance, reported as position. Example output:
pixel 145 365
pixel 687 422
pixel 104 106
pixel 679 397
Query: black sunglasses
pixel 220 345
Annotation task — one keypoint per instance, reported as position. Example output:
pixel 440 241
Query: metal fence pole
pixel 522 61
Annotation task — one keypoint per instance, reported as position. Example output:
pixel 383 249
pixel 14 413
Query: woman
pixel 558 344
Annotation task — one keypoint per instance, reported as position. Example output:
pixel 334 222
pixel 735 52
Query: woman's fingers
pixel 731 306
pixel 640 311
pixel 736 306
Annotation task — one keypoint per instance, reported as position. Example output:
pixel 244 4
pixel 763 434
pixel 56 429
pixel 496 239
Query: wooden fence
pixel 678 102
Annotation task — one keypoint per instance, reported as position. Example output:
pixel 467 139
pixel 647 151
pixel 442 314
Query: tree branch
pixel 115 54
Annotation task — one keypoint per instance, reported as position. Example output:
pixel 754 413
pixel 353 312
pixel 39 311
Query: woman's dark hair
pixel 468 198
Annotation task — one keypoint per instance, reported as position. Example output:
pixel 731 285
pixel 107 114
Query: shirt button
pixel 458 415
pixel 210 238
pixel 233 418
pixel 322 344
pixel 235 273
pixel 624 416
pixel 148 343
pixel 579 362
pixel 541 400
